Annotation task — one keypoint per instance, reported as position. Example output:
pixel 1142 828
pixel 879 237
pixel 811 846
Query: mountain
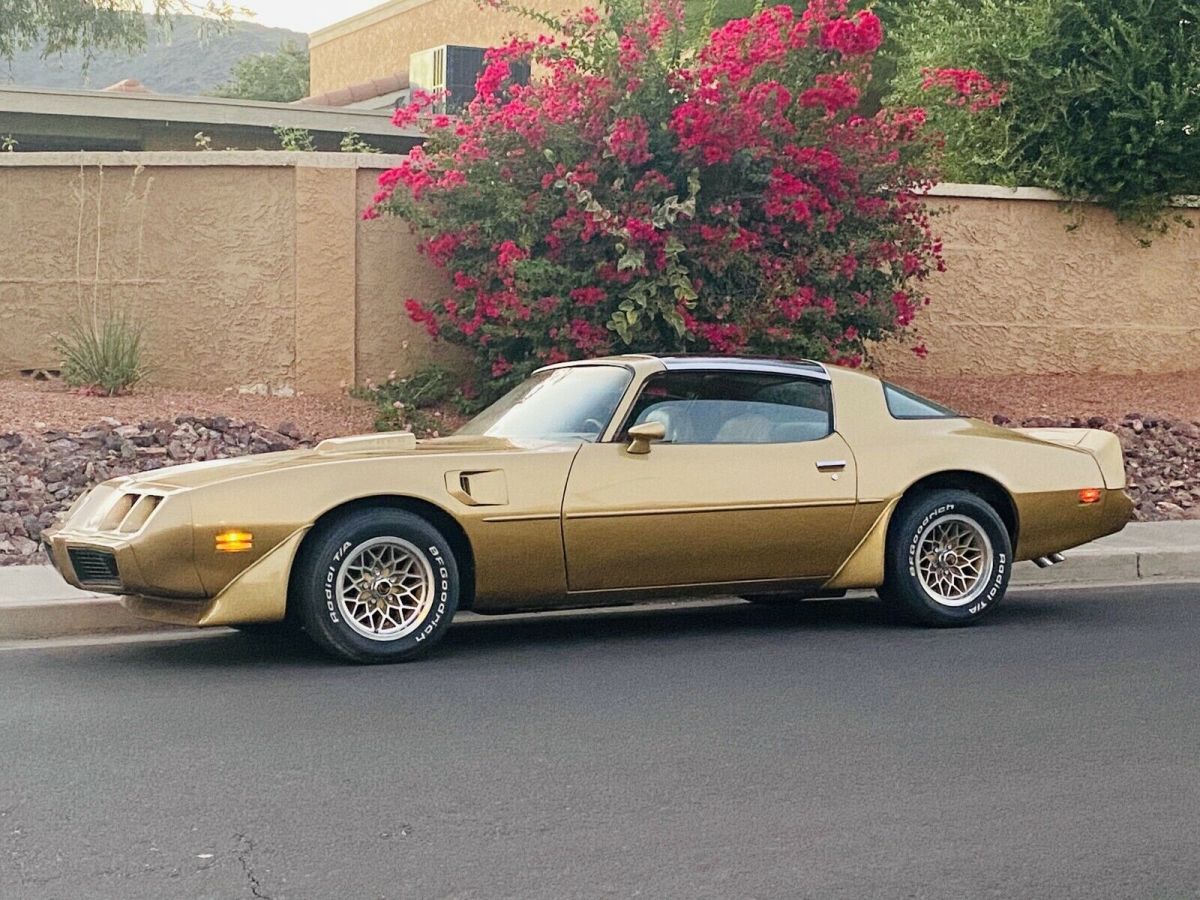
pixel 174 61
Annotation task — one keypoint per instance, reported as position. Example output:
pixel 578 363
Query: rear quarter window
pixel 904 404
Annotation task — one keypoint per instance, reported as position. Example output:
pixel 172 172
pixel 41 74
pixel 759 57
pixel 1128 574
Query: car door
pixel 751 483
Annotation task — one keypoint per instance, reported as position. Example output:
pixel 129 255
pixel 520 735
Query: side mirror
pixel 641 436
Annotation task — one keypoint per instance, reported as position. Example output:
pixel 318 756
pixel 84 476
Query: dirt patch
pixel 31 407
pixel 1175 395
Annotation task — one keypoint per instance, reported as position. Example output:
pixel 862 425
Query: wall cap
pixel 198 158
pixel 305 159
pixel 1002 192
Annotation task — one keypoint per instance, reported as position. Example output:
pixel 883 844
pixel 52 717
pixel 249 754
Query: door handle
pixel 830 465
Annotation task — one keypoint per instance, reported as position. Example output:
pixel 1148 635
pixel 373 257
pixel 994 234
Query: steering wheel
pixel 599 426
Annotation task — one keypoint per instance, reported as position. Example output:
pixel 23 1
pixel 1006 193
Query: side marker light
pixel 234 541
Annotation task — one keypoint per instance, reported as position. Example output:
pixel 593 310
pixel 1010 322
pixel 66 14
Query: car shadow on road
pixel 479 636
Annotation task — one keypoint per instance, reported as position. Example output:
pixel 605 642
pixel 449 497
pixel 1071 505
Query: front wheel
pixel 380 585
pixel 949 558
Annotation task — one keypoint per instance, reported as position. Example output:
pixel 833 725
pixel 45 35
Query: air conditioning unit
pixel 452 68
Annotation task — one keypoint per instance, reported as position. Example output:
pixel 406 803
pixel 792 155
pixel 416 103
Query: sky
pixel 303 15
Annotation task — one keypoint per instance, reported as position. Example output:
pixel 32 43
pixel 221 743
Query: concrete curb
pixel 40 619
pixel 35 604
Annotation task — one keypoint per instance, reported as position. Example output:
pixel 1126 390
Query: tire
pixel 948 559
pixel 377 586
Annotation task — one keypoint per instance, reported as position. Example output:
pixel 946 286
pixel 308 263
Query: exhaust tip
pixel 1045 562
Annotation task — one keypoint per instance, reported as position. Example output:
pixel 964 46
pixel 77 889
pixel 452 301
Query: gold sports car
pixel 601 483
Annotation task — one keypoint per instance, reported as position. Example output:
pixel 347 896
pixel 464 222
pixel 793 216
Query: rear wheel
pixel 948 558
pixel 380 585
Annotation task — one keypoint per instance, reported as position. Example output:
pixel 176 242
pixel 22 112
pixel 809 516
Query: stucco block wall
pixel 380 42
pixel 1023 294
pixel 256 269
pixel 389 271
pixel 183 250
pixel 245 269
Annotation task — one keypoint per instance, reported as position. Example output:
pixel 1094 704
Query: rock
pixel 24 546
pixel 289 429
pixel 274 440
pixel 1043 422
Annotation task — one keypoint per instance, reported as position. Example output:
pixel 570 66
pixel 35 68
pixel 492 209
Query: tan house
pixel 348 57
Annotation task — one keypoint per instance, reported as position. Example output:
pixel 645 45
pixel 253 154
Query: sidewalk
pixel 1144 551
pixel 36 603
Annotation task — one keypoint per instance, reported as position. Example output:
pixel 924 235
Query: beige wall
pixel 1022 294
pixel 256 269
pixel 379 42
pixel 245 269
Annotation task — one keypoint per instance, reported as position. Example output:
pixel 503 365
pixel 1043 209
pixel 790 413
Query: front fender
pixel 258 594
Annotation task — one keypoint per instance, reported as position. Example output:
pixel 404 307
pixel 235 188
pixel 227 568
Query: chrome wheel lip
pixel 385 588
pixel 953 560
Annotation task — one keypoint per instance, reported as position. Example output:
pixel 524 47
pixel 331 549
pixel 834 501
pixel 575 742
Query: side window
pixel 904 404
pixel 734 408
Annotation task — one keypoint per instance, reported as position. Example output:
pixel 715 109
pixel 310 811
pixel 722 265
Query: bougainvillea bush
pixel 639 195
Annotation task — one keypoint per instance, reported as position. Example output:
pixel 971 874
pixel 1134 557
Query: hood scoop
pixel 395 442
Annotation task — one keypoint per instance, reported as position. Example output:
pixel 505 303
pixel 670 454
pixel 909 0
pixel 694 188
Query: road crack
pixel 245 846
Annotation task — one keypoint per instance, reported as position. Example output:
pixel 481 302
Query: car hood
pixel 398 445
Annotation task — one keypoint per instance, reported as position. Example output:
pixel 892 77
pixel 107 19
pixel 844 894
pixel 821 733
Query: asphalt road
pixel 729 751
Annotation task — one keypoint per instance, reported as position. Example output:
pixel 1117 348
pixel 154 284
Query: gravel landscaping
pixel 54 444
pixel 42 473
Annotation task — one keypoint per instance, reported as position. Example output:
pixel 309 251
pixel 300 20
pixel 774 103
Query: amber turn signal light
pixel 234 541
pixel 1090 495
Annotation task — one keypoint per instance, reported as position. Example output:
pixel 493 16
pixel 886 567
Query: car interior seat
pixel 750 428
pixel 673 420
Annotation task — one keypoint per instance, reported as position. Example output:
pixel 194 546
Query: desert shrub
pixel 101 353
pixel 642 196
pixel 295 139
pixel 1102 97
pixel 411 402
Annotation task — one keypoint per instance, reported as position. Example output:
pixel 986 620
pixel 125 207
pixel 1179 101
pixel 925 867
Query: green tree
pixel 92 25
pixel 280 76
pixel 1102 97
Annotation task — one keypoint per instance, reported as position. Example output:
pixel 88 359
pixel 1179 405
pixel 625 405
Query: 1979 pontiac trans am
pixel 603 482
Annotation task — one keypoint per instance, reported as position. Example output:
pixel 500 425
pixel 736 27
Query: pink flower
pixel 628 140
pixel 588 296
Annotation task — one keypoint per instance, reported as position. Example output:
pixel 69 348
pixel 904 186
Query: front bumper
pixel 153 567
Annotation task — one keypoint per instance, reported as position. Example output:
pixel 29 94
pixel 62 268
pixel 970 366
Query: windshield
pixel 574 403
